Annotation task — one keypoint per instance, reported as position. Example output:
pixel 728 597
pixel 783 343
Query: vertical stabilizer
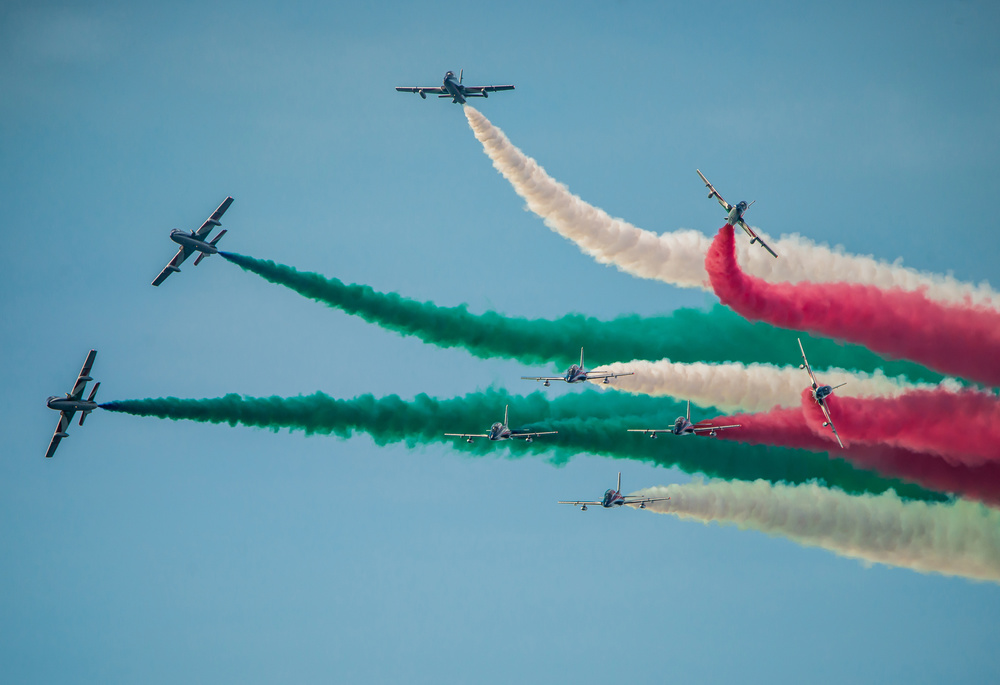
pixel 689 411
pixel 619 482
pixel 581 359
pixel 505 414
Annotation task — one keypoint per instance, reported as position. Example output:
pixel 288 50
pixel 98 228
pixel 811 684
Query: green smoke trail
pixel 588 421
pixel 686 335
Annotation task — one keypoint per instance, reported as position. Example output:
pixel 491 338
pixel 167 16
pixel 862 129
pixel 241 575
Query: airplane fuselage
pixel 822 392
pixel 683 427
pixel 575 374
pixel 612 498
pixel 736 213
pixel 67 404
pixel 185 239
pixel 454 88
pixel 498 431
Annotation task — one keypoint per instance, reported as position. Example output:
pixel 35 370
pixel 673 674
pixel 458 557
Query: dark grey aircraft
pixel 450 88
pixel 578 374
pixel 73 402
pixel 500 431
pixel 820 393
pixel 683 426
pixel 195 241
pixel 613 497
pixel 735 214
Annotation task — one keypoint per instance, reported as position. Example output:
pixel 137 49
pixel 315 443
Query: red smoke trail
pixel 962 428
pixel 958 340
pixel 791 428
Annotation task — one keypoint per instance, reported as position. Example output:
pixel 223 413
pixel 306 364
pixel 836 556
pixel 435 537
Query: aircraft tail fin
pixel 581 358
pixel 201 256
pixel 93 392
pixel 689 411
pixel 83 415
pixel 619 481
pixel 460 73
pixel 505 414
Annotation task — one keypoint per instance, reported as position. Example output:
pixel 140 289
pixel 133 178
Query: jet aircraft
pixel 615 498
pixel 735 214
pixel 683 426
pixel 576 374
pixel 73 402
pixel 820 393
pixel 500 431
pixel 195 241
pixel 450 88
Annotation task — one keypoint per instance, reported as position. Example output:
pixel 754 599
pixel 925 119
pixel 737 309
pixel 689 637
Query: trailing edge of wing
pixel 81 380
pixel 172 266
pixel 542 378
pixel 714 428
pixel 214 220
pixel 577 504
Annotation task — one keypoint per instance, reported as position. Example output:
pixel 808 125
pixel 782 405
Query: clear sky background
pixel 157 551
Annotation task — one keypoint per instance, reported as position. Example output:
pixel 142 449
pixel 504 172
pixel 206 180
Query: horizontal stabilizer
pixel 83 415
pixel 218 237
pixel 93 392
pixel 200 257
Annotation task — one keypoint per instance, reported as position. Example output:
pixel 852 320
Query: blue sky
pixel 155 551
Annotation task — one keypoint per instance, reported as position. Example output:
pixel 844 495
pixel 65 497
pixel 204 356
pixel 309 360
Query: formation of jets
pixel 501 431
pixel 683 426
pixel 735 214
pixel 72 403
pixel 820 393
pixel 450 88
pixel 613 497
pixel 198 241
pixel 577 374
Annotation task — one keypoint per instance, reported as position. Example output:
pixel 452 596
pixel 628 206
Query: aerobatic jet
pixel 820 393
pixel 735 214
pixel 501 431
pixel 683 426
pixel 615 498
pixel 450 88
pixel 195 241
pixel 577 374
pixel 73 402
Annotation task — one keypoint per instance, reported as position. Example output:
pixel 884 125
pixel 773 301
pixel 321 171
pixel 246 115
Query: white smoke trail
pixel 734 386
pixel 678 257
pixel 960 538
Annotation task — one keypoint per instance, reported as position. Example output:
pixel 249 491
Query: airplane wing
pixel 706 429
pixel 650 431
pixel 466 436
pixel 421 89
pixel 542 378
pixel 580 503
pixel 645 500
pixel 214 220
pixel 531 435
pixel 173 265
pixel 805 363
pixel 591 375
pixel 65 418
pixel 756 238
pixel 81 380
pixel 826 412
pixel 712 192
pixel 478 91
